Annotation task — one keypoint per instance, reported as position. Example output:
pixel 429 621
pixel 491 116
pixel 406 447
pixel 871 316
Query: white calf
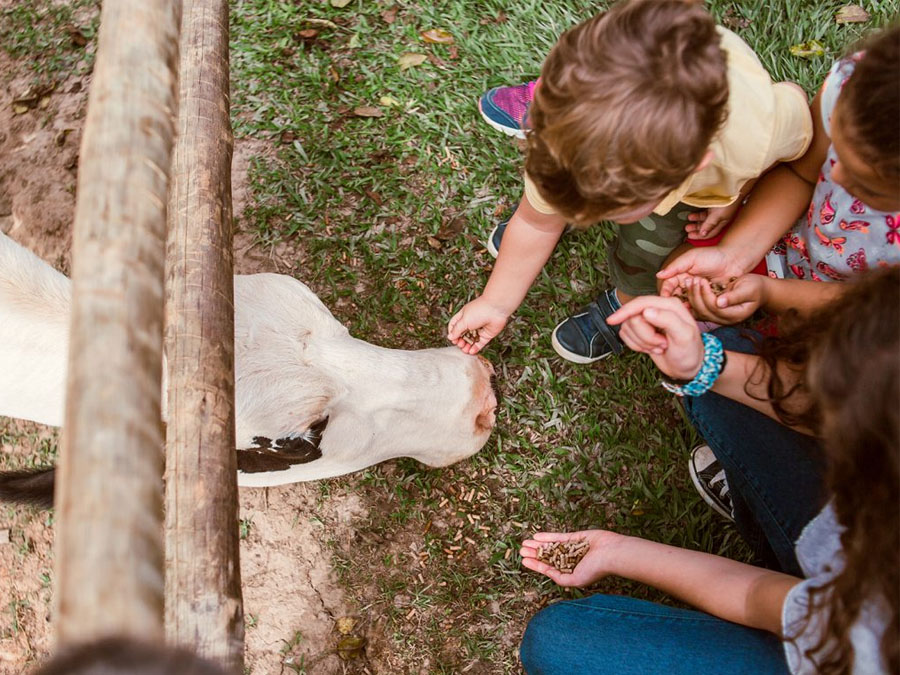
pixel 311 401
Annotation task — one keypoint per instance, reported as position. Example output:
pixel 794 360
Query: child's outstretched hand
pixel 712 262
pixel 707 223
pixel 664 329
pixel 476 324
pixel 594 566
pixel 740 299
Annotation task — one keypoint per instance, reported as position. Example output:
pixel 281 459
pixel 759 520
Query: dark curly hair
pixel 850 353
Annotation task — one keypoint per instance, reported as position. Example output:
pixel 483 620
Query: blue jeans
pixel 776 475
pixel 624 636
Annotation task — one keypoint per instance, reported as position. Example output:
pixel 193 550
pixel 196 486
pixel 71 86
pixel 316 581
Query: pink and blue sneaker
pixel 506 108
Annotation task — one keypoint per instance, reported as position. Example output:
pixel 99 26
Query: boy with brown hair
pixel 643 115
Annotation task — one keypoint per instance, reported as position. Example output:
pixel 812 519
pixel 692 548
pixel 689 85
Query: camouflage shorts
pixel 641 248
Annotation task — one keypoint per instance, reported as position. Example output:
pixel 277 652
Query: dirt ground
pixel 291 598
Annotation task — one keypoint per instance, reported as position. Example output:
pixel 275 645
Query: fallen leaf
pixel 78 37
pixel 345 625
pixel 410 59
pixel 375 197
pixel 390 15
pixel 851 14
pixel 389 101
pixel 4 536
pixel 808 50
pixel 340 3
pixel 733 21
pixel 452 227
pixel 437 36
pixel 368 111
pixel 350 647
pixel 321 22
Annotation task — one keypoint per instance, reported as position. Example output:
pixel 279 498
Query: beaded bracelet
pixel 712 366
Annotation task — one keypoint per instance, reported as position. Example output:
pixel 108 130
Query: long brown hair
pixel 850 351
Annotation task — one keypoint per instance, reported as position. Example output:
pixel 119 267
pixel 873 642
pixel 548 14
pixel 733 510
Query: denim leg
pixel 624 636
pixel 776 475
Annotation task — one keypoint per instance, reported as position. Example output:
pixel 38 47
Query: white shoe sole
pixel 572 356
pixel 515 133
pixel 489 244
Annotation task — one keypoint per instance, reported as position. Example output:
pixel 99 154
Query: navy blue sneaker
pixel 496 236
pixel 585 337
pixel 506 108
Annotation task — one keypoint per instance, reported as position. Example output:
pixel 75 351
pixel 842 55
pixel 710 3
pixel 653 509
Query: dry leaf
pixel 340 3
pixel 350 647
pixel 437 36
pixel 389 101
pixel 368 111
pixel 346 624
pixel 390 15
pixel 451 227
pixel 808 50
pixel 851 14
pixel 409 59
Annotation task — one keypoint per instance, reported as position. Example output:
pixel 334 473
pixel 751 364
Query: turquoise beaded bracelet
pixel 712 366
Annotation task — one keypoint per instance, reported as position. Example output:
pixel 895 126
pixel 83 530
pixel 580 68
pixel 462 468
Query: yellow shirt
pixel 766 123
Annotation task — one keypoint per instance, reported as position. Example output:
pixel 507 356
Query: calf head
pixel 314 402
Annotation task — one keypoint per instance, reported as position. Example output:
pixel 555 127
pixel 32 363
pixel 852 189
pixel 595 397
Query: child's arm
pixel 528 241
pixel 734 591
pixel 778 199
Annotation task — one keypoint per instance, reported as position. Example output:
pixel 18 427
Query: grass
pixel 392 209
pixel 50 37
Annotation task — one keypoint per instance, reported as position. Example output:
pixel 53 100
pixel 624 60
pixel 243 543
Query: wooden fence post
pixel 109 557
pixel 203 591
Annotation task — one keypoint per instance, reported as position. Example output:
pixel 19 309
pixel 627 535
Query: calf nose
pixel 487 415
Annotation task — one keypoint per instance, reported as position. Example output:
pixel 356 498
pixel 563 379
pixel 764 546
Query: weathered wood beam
pixel 109 556
pixel 203 588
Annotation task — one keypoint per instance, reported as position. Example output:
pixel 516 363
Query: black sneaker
pixel 586 337
pixel 709 479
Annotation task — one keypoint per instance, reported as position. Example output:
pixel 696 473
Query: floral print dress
pixel 839 236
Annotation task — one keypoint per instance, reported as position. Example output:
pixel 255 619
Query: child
pixel 851 174
pixel 844 617
pixel 643 114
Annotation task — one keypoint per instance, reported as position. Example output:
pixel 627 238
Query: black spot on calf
pixel 284 452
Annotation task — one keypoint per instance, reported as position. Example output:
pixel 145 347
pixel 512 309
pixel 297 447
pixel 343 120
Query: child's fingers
pixel 638 305
pixel 544 537
pixel 641 336
pixel 545 569
pixel 737 296
pixel 670 286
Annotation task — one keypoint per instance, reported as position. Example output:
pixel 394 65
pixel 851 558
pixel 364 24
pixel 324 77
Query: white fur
pixel 294 364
